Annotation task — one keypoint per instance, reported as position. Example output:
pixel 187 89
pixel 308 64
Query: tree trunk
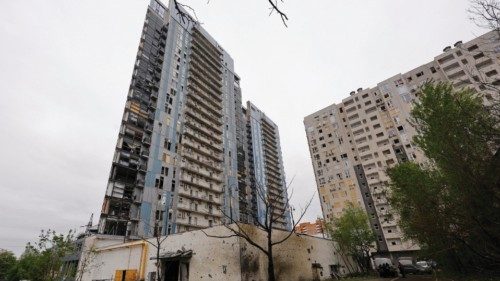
pixel 270 266
pixel 346 262
pixel 158 264
pixel 270 261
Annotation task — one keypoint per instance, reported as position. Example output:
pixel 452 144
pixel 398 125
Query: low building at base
pixel 197 255
pixel 316 228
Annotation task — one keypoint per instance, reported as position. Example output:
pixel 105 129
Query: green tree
pixel 451 204
pixel 43 260
pixel 353 235
pixel 8 264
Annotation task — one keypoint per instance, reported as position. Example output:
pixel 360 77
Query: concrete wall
pixel 293 259
pixel 211 256
pixel 219 258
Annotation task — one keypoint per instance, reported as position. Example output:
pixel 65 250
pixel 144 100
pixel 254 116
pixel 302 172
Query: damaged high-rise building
pixel 353 142
pixel 185 158
pixel 265 172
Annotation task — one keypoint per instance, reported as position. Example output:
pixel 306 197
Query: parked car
pixel 432 264
pixel 385 268
pixel 410 269
pixel 424 267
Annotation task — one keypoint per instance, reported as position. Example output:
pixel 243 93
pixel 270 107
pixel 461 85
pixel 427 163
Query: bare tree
pixel 157 242
pixel 485 14
pixel 186 18
pixel 87 263
pixel 281 14
pixel 276 207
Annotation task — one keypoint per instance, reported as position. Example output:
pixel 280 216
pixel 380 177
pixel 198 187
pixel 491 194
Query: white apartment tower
pixel 353 142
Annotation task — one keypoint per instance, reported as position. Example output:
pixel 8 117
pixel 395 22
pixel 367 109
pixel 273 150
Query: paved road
pixel 409 277
pixel 416 278
pixel 412 277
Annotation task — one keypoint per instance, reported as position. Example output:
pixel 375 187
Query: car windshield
pixel 422 263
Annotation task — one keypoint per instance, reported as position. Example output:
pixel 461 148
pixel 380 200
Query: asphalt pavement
pixel 412 277
pixel 409 277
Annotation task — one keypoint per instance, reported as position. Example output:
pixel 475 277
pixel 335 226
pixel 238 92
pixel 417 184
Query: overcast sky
pixel 65 67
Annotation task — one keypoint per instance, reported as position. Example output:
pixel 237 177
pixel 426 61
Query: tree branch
pixel 274 7
pixel 295 223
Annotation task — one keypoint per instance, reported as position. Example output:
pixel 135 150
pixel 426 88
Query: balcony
pixel 146 140
pixel 184 222
pixel 198 67
pixel 204 198
pixel 211 59
pixel 276 197
pixel 210 164
pixel 202 138
pixel 203 81
pixel 137 199
pixel 205 108
pixel 151 116
pixel 204 130
pixel 200 74
pixel 199 55
pixel 268 129
pixel 190 180
pixel 274 180
pixel 271 155
pixel 203 121
pixel 456 75
pixel 142 168
pixel 272 167
pixel 391 222
pixel 215 68
pixel 206 46
pixel 139 183
pixel 209 105
pixel 200 210
pixel 202 150
pixel 392 235
pixel 145 154
pixel 204 49
pixel 203 89
pixel 193 169
pixel 273 172
pixel 270 145
pixel 199 36
pixel 202 159
pixel 271 160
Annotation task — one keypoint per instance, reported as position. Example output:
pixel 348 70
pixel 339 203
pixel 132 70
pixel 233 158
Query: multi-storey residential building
pixel 352 143
pixel 316 228
pixel 182 140
pixel 266 175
